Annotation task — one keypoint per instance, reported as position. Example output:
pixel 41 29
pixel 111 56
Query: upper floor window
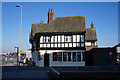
pixel 92 43
pixel 47 39
pixel 53 38
pixel 82 38
pixel 60 38
pixel 68 39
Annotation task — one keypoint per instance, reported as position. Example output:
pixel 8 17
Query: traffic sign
pixel 20 51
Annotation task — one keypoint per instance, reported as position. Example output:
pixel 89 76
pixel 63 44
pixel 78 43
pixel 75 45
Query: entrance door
pixel 46 60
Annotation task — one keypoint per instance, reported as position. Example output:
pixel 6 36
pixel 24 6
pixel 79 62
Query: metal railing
pixel 55 74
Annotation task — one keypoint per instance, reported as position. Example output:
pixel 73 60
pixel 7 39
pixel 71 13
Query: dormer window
pixel 92 43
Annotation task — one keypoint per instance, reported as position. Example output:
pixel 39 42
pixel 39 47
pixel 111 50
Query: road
pixel 9 63
pixel 24 72
pixel 10 71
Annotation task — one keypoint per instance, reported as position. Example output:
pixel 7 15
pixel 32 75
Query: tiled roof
pixel 90 34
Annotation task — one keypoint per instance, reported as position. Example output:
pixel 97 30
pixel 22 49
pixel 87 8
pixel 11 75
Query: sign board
pixel 20 51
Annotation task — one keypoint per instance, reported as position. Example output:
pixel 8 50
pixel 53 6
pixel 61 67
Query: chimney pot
pixel 92 25
pixel 50 15
pixel 49 9
pixel 41 21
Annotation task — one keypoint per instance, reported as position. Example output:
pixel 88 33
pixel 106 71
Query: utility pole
pixel 20 31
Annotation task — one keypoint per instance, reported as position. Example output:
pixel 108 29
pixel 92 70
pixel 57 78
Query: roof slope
pixel 38 27
pixel 61 24
pixel 90 34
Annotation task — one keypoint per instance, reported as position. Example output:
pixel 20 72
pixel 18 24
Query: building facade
pixel 117 48
pixel 61 42
pixel 100 57
pixel 90 38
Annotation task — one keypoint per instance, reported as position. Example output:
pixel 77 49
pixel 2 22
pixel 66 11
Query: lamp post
pixel 17 58
pixel 20 30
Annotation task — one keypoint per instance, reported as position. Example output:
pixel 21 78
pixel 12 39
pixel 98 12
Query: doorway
pixel 46 60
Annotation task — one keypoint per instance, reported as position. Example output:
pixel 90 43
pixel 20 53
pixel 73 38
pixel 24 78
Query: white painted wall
pixel 118 49
pixel 87 43
pixel 58 63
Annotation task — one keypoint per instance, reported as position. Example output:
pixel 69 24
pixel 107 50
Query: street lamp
pixel 20 30
pixel 17 58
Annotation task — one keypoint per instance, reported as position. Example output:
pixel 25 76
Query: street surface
pixel 22 72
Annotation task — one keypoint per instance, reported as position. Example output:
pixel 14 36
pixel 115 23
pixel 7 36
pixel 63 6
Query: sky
pixel 104 15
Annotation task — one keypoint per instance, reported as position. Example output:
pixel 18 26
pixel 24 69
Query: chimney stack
pixel 50 15
pixel 92 25
pixel 41 21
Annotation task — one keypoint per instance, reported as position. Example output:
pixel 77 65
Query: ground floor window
pixel 54 56
pixel 64 56
pixel 59 56
pixel 78 56
pixel 69 56
pixel 74 56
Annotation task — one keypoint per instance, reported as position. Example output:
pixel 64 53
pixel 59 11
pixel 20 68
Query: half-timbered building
pixel 60 42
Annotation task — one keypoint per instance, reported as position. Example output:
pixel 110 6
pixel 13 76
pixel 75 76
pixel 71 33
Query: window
pixel 70 44
pixel 78 44
pixel 41 39
pixel 66 38
pixel 53 45
pixel 46 39
pixel 66 44
pixel 55 56
pixel 60 38
pixel 53 38
pixel 60 44
pixel 59 56
pixel 78 56
pixel 69 56
pixel 74 38
pixel 92 43
pixel 74 56
pixel 70 39
pixel 78 38
pixel 82 44
pixel 82 38
pixel 74 44
pixel 64 56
